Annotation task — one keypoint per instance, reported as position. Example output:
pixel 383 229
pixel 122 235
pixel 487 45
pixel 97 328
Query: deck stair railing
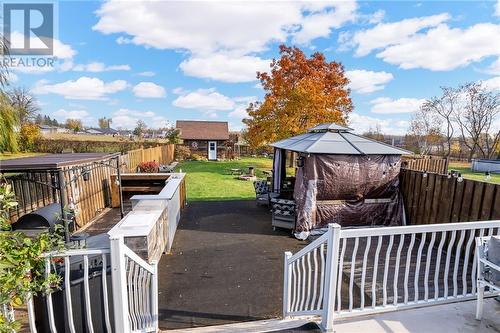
pixel 350 272
pixel 128 304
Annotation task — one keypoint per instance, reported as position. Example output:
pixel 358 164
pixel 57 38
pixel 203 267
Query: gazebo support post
pixel 63 201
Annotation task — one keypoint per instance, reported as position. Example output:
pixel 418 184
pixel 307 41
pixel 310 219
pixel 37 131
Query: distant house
pixel 102 131
pixel 46 129
pixel 205 138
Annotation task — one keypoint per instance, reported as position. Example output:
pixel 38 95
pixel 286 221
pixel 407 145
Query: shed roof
pixel 331 138
pixel 51 161
pixel 203 130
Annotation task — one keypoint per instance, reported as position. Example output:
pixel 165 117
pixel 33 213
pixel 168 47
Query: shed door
pixel 212 150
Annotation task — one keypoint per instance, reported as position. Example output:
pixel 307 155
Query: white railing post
pixel 287 286
pixel 154 295
pixel 119 284
pixel 331 276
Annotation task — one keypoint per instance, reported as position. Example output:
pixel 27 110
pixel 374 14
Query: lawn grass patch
pixel 212 180
pixel 465 169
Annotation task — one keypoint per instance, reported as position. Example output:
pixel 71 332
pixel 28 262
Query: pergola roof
pixel 331 138
pixel 52 161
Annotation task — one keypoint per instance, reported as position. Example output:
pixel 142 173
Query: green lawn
pixel 465 170
pixel 211 180
pixel 8 156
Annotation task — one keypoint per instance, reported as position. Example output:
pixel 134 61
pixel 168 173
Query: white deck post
pixel 331 276
pixel 287 287
pixel 119 284
pixel 154 295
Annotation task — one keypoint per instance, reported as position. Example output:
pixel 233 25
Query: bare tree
pixel 25 103
pixel 105 122
pixel 424 131
pixel 444 107
pixel 479 108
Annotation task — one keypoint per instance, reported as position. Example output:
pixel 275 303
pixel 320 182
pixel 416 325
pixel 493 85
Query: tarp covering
pixel 351 190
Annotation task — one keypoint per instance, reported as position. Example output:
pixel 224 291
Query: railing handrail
pixel 311 246
pixel 403 230
pixel 76 252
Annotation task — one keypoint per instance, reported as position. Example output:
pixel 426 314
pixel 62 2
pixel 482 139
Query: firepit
pixel 247 177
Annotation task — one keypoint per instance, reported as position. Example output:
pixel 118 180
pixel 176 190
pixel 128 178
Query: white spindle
pixel 67 292
pixel 407 268
pixel 447 265
pixel 386 269
pixel 296 282
pixel 474 258
pixel 315 284
pixel 466 262
pixel 303 273
pixel 438 265
pixel 308 294
pixel 50 307
pixel 339 280
pixel 375 269
pixel 322 281
pixel 88 309
pixel 417 269
pixel 363 271
pixel 428 266
pixel 458 251
pixel 105 292
pixel 351 277
pixel 396 271
pixel 31 314
pixel 287 286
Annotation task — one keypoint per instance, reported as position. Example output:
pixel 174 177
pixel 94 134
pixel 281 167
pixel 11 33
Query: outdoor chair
pixel 283 213
pixel 261 192
pixel 488 268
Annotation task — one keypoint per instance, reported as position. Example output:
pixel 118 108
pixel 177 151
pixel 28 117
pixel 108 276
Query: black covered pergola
pixel 42 180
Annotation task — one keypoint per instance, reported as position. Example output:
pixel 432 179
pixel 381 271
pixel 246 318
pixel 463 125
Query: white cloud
pixel 364 81
pixel 83 88
pixel 387 105
pixel 493 83
pixel 204 99
pixel 362 124
pixel 386 34
pixel 497 8
pixel 239 112
pixel 320 23
pixel 494 68
pixel 445 48
pixel 226 68
pixel 148 90
pixel 63 52
pixel 12 77
pixel 97 67
pixel 208 27
pixel 63 114
pixel 127 118
pixel 147 74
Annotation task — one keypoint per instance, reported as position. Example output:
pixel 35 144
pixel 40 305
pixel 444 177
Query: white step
pixel 268 325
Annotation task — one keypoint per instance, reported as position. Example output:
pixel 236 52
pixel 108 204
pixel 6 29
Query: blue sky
pixel 165 61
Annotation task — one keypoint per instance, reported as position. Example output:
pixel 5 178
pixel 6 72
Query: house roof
pixel 335 139
pixel 203 130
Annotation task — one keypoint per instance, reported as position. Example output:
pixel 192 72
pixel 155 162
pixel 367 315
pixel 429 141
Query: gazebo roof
pixel 330 138
pixel 52 161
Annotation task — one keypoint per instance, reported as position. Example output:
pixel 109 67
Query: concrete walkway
pixel 226 266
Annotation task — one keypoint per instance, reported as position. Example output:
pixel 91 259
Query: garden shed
pixel 341 178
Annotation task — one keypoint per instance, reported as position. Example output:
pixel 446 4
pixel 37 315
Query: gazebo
pixel 340 178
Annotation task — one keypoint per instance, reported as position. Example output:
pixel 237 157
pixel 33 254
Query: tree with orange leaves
pixel 301 92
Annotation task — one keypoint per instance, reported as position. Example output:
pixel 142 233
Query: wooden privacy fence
pixel 426 163
pixel 434 198
pixel 162 154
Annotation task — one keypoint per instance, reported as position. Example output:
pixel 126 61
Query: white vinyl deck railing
pixel 349 272
pixel 133 291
